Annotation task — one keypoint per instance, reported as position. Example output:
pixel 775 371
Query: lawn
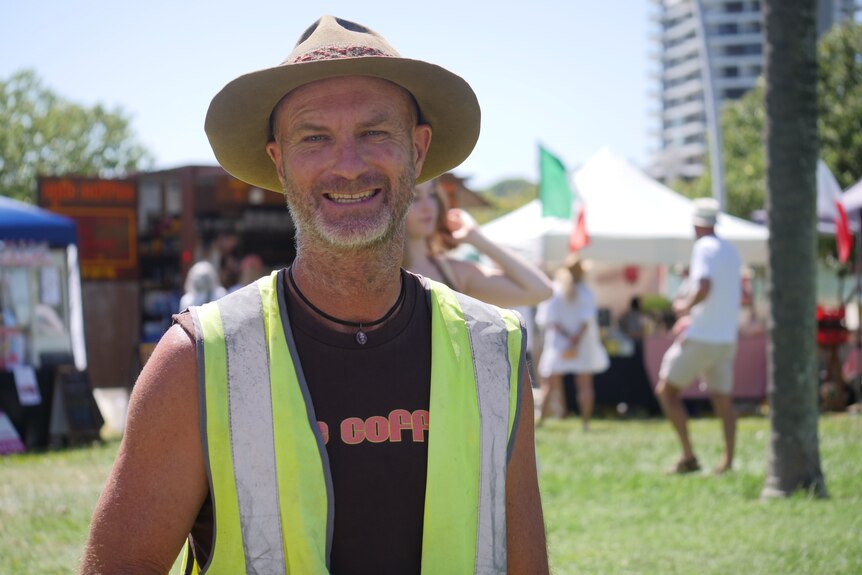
pixel 608 508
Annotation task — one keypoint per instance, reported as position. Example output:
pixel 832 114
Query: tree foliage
pixel 43 134
pixel 839 95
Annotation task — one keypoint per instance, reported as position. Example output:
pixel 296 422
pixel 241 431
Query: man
pixel 342 415
pixel 706 334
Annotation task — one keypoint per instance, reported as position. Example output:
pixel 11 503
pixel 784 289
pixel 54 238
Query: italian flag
pixel 829 202
pixel 557 198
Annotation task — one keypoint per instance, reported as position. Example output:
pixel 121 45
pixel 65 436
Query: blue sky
pixel 572 75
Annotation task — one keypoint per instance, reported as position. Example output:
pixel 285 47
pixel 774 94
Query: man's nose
pixel 349 161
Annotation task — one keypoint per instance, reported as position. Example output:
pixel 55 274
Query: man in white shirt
pixel 706 334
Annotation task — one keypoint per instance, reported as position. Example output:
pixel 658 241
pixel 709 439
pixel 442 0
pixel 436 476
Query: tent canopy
pixel 20 221
pixel 852 200
pixel 631 219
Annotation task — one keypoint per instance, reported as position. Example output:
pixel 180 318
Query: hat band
pixel 338 53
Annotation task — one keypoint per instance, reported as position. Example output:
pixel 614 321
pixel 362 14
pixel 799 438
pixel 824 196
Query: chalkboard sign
pixel 75 416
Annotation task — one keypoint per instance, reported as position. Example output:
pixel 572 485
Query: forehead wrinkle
pixel 405 101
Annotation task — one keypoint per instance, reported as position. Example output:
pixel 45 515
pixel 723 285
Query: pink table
pixel 749 369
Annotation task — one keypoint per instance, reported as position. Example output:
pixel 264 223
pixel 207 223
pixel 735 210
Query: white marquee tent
pixel 630 218
pixel 852 200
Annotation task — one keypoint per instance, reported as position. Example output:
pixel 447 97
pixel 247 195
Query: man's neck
pixel 352 285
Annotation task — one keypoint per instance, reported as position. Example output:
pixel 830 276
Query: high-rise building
pixel 728 34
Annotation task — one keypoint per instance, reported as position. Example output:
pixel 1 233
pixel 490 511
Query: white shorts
pixel 685 361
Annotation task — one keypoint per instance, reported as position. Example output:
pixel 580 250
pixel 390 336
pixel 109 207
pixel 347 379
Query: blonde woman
pixel 572 342
pixel 433 229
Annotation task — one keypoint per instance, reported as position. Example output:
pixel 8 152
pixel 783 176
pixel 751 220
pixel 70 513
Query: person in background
pixel 229 269
pixel 572 340
pixel 202 285
pixel 250 269
pixel 287 427
pixel 432 230
pixel 705 336
pixel 633 323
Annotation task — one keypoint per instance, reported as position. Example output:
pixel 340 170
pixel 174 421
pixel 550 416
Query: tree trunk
pixel 792 151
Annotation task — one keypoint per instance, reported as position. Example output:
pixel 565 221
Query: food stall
pixel 138 238
pixel 41 320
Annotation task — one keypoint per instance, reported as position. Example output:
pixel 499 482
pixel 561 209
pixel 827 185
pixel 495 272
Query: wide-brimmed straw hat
pixel 237 122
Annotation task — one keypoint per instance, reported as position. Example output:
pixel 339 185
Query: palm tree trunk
pixel 792 151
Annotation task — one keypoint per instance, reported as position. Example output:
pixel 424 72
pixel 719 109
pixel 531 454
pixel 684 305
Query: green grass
pixel 608 508
pixel 46 502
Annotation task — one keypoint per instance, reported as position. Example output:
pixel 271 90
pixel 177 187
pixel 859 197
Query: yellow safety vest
pixel 269 476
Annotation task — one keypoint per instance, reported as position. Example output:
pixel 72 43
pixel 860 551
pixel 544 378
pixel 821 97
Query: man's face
pixel 347 151
pixel 701 231
pixel 423 212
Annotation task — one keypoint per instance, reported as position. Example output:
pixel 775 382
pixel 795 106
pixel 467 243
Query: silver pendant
pixel 361 338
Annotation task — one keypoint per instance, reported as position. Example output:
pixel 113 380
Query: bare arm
pixel 574 337
pixel 703 288
pixel 516 283
pixel 525 528
pixel 158 482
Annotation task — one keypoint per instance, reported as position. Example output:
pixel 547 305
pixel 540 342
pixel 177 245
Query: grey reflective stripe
pixel 202 422
pixel 522 366
pixel 251 431
pixel 489 342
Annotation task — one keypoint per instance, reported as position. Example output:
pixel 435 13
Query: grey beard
pixel 309 237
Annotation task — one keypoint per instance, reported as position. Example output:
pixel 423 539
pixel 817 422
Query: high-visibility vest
pixel 269 476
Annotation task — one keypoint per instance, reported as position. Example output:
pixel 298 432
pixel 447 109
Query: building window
pixel 733 93
pixel 744 49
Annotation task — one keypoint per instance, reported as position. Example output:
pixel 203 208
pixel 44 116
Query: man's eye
pixel 315 138
pixel 375 133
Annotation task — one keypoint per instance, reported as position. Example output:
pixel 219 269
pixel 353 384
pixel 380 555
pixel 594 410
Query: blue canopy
pixel 20 221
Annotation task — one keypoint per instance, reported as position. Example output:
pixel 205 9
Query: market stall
pixel 630 219
pixel 639 230
pixel 41 325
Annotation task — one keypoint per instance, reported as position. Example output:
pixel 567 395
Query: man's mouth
pixel 351 198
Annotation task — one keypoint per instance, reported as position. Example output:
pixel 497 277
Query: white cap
pixel 705 212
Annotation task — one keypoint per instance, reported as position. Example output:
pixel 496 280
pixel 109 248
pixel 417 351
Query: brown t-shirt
pixel 372 402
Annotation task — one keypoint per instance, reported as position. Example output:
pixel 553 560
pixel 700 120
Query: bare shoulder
pixel 466 267
pixel 468 273
pixel 158 482
pixel 170 374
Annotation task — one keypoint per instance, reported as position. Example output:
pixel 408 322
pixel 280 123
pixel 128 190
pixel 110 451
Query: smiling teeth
pixel 350 198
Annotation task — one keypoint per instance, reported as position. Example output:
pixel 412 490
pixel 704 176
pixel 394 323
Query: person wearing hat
pixel 706 334
pixel 572 339
pixel 341 415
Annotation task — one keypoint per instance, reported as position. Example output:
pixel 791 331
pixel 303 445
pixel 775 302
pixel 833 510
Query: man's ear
pixel 273 149
pixel 421 143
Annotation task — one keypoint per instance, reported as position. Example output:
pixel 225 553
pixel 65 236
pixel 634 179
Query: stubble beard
pixel 374 232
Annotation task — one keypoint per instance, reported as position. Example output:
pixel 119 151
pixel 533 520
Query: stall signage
pixel 229 192
pixel 106 214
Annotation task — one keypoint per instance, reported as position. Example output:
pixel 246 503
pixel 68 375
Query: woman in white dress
pixel 572 341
